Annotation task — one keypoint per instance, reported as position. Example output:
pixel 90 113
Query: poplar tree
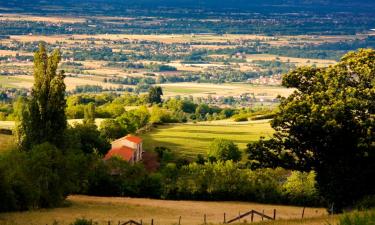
pixel 42 118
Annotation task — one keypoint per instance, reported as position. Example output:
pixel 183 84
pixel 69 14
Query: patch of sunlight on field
pixel 6 125
pixel 164 212
pixel 6 141
pixel 192 139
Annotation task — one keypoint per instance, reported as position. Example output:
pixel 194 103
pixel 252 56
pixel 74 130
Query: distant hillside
pixel 243 5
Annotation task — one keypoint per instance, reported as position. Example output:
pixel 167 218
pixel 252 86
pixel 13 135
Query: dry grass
pixel 296 61
pixel 10 124
pixel 164 212
pixel 25 81
pixel 47 19
pixel 14 53
pixel 6 141
pixel 219 90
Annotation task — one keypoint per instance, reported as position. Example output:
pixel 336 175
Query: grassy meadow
pixel 193 138
pixel 164 212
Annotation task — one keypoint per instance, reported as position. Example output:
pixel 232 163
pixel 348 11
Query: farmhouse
pixel 129 148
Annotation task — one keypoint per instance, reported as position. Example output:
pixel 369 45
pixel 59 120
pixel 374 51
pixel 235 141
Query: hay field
pixel 211 39
pixel 191 139
pixel 219 90
pixel 296 61
pixel 26 81
pixel 10 124
pixel 164 212
pixel 47 19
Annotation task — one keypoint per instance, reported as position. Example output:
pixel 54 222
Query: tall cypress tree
pixel 43 117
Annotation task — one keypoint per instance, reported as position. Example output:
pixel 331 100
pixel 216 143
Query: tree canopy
pixel 42 118
pixel 154 94
pixel 223 150
pixel 327 125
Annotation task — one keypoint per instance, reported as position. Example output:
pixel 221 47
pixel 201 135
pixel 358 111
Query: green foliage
pixel 134 119
pixel 327 125
pixel 300 187
pixel 358 218
pixel 223 150
pixel 83 221
pixel 241 117
pixel 87 137
pixel 154 95
pixel 227 181
pixel 160 115
pixel 42 118
pixel 116 177
pixel 368 202
pixel 111 129
pixel 41 177
pixel 89 113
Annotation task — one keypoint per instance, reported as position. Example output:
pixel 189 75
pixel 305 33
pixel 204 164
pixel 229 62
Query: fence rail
pixel 252 213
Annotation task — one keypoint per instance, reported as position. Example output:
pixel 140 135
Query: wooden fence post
pixel 205 219
pixel 274 214
pixel 152 221
pixel 141 222
pixel 225 219
pixel 179 220
pixel 239 214
pixel 109 222
pixel 303 212
pixel 262 214
pixel 252 216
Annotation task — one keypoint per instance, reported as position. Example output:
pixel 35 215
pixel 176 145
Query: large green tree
pixel 328 125
pixel 154 95
pixel 223 150
pixel 43 119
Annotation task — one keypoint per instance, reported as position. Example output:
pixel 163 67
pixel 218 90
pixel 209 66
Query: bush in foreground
pixel 358 218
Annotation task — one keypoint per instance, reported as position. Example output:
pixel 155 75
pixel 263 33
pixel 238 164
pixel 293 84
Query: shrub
pixel 367 202
pixel 223 150
pixel 364 218
pixel 42 177
pixel 240 118
pixel 300 187
pixel 83 221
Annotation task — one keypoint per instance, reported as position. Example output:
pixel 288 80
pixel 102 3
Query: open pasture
pixel 192 139
pixel 164 212
pixel 219 90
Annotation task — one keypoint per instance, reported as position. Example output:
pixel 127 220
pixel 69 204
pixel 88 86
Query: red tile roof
pixel 134 139
pixel 123 152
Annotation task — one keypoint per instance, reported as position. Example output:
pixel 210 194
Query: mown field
pixel 221 90
pixel 191 139
pixel 164 212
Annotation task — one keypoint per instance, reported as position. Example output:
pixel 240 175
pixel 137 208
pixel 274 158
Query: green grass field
pixel 191 139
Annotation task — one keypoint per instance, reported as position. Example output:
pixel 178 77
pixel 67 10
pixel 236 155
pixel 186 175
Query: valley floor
pixel 164 212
